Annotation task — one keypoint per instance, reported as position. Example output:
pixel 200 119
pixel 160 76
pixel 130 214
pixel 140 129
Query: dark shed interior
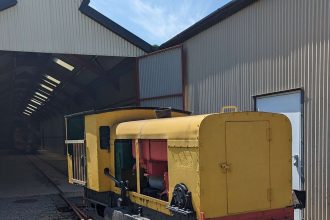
pixel 38 89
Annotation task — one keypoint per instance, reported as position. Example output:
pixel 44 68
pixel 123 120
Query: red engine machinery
pixel 153 159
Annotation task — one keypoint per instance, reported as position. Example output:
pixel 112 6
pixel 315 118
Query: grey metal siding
pixel 172 102
pixel 160 76
pixel 271 46
pixel 57 26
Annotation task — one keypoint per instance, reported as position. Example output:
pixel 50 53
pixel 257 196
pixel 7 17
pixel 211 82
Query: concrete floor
pixel 26 193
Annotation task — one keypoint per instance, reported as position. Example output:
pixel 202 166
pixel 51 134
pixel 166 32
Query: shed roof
pixel 219 15
pixel 113 26
pixel 100 111
pixel 35 33
pixel 64 26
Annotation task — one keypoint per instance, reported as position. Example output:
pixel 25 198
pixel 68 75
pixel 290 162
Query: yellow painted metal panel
pixel 182 128
pixel 247 166
pixel 183 167
pixel 281 152
pixel 152 203
pixel 91 153
pixel 212 180
pixel 99 159
pixel 212 142
pixel 70 174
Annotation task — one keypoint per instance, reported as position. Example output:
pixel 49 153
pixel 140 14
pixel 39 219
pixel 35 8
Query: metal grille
pixel 78 161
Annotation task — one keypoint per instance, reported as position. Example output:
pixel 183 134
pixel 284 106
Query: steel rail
pixel 76 210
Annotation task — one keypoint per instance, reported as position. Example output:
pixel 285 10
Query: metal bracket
pixel 224 108
pixel 225 167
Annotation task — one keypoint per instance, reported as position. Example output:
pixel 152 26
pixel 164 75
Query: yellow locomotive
pixel 146 163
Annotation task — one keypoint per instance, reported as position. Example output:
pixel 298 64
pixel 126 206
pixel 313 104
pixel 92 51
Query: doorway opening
pixel 289 103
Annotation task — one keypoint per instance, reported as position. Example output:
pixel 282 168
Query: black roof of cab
pixel 91 112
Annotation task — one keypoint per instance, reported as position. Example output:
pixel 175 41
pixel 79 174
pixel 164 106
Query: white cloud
pixel 156 21
pixel 162 22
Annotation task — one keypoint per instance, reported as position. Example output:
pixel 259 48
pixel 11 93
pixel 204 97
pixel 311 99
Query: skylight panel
pixel 25 113
pixel 32 106
pixel 50 83
pixel 52 79
pixel 46 87
pixel 41 95
pixel 36 102
pixel 64 64
pixel 39 98
pixel 30 109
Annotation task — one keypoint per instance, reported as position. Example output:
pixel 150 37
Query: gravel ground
pixel 25 193
pixel 50 207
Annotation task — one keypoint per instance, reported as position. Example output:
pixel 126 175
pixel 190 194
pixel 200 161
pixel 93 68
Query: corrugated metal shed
pixel 161 79
pixel 57 26
pixel 270 46
pixel 173 102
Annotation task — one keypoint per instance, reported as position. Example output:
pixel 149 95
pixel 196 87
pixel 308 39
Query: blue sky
pixel 156 21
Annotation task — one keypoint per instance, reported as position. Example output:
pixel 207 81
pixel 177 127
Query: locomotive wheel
pixel 179 195
pixel 112 214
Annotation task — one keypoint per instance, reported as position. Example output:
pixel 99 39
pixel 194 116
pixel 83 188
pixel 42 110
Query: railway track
pixel 78 212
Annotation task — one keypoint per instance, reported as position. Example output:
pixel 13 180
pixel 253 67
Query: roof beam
pixel 114 27
pixel 5 4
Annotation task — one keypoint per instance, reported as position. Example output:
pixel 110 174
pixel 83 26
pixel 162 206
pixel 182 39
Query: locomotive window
pixel 125 163
pixel 104 137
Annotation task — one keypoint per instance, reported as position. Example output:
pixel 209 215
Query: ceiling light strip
pixel 33 106
pixel 46 87
pixel 41 95
pixel 53 79
pixel 30 109
pixel 36 102
pixel 52 84
pixel 64 64
pixel 40 98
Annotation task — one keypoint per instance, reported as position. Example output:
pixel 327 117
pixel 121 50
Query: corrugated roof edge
pixel 217 16
pixel 5 4
pixel 113 26
pixel 91 112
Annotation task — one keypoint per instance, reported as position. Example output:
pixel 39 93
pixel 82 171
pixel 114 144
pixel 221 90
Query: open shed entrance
pixel 38 89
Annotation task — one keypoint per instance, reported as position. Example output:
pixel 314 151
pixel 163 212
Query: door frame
pixel 302 132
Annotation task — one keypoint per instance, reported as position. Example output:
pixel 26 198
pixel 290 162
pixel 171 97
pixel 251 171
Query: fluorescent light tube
pixel 53 79
pixel 63 64
pixel 46 87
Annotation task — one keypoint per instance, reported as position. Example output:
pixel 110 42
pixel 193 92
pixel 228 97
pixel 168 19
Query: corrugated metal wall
pixel 57 26
pixel 160 79
pixel 173 102
pixel 271 46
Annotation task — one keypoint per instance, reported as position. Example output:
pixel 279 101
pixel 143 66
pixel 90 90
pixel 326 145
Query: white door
pixel 289 104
